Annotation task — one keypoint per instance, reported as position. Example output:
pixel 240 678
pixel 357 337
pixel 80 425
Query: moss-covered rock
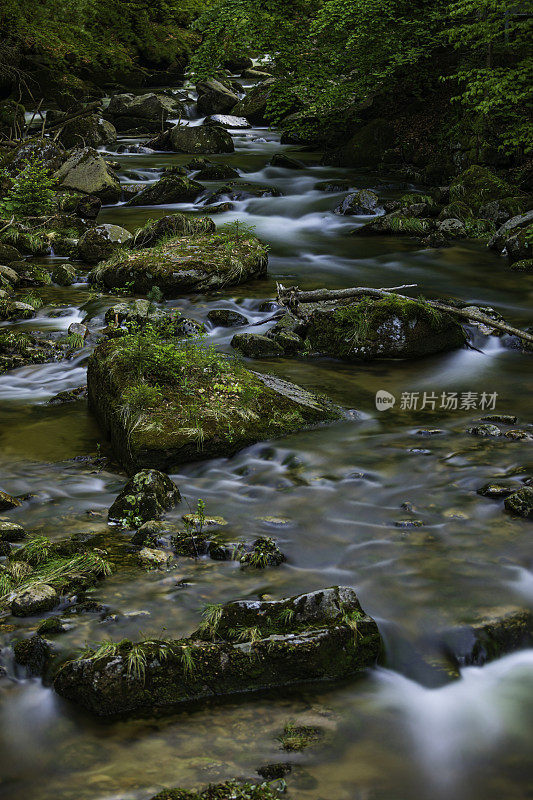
pixel 20 349
pixel 185 264
pixel 216 172
pixel 254 106
pixel 501 631
pixel 31 274
pixel 12 310
pixel 8 254
pixel 256 345
pixel 200 139
pixel 388 328
pixel 34 600
pixel 229 790
pixel 89 131
pixel 146 496
pixel 226 318
pixel 241 647
pixel 7 502
pixel 169 226
pixel 477 185
pixel 214 97
pixel 164 404
pixel 86 171
pixel 396 224
pixel 169 189
pixel 366 147
pixel 525 265
pixel 520 503
pixel 64 274
pixel 358 203
pixel 101 242
pixel 510 229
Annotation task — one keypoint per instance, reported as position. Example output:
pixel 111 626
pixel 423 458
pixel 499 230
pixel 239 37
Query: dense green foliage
pixel 32 192
pixel 337 56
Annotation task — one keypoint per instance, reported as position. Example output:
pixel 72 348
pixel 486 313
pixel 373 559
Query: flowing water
pixel 331 498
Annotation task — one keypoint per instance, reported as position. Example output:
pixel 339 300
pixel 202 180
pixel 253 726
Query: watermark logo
pixel 430 401
pixel 384 400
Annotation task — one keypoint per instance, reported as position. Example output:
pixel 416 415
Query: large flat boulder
pixel 86 171
pixel 165 402
pixel 198 139
pixel 388 328
pixel 168 189
pixel 201 263
pixel 240 648
pixel 214 97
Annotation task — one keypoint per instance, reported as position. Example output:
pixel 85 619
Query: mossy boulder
pixel 234 789
pixel 200 139
pixel 34 600
pixel 243 647
pixel 101 242
pixel 20 349
pixel 254 106
pixel 226 318
pixel 86 171
pixel 47 152
pixel 8 254
pixel 31 274
pixel 477 186
pixel 185 264
pixel 89 131
pixel 12 310
pixel 524 265
pixel 520 503
pixel 169 226
pixel 7 502
pixel 216 172
pixel 396 224
pixel 510 229
pixel 388 328
pixel 256 345
pixel 365 148
pixel 501 631
pixel 146 496
pixel 214 97
pixel 361 203
pixel 64 274
pixel 519 247
pixel 169 189
pixel 198 404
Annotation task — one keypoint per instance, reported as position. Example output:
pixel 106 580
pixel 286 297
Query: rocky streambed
pixel 331 590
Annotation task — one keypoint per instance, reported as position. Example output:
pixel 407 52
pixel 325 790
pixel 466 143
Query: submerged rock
pixel 101 242
pixel 226 318
pixel 241 647
pixel 185 264
pixel 238 407
pixel 146 496
pixel 389 328
pixel 7 502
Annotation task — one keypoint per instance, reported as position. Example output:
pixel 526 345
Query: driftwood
pixel 291 297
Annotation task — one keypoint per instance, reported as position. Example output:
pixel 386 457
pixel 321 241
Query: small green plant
pixel 32 191
pixel 236 230
pixel 212 614
pixel 187 659
pixel 143 396
pixel 286 616
pixel 74 341
pixel 32 300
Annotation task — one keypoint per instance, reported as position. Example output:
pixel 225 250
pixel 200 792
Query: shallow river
pixel 336 493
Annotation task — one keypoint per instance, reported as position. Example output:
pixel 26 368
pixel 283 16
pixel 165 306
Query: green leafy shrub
pixel 32 192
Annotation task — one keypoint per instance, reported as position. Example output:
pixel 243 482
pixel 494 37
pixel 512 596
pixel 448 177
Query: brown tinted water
pixel 339 491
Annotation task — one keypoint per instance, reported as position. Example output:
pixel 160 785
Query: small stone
pixel 521 502
pixel 484 430
pixel 497 491
pixel 272 772
pixel 518 435
pixel 146 496
pixel 205 522
pixel 408 523
pixel 34 600
pixel 78 329
pixel 430 431
pixel 7 501
pixel 153 558
pixel 11 531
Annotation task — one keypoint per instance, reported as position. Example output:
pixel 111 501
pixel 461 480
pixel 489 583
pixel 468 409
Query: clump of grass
pixel 32 300
pixel 297 737
pixel 211 616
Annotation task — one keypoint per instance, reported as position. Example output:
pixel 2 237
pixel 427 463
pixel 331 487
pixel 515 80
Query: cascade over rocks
pixel 322 635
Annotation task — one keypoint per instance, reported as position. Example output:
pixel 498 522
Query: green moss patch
pixel 185 264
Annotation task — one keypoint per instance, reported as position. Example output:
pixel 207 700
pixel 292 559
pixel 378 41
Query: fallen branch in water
pixel 291 297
